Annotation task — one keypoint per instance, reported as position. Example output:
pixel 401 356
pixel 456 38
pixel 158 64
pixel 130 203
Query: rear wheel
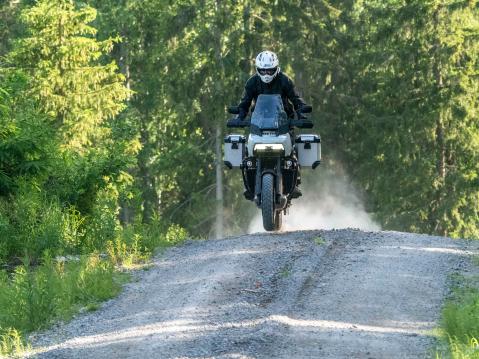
pixel 267 202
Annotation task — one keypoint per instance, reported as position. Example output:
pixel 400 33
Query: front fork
pixel 280 200
pixel 257 186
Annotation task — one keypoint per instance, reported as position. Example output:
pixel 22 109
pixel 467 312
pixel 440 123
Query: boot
pixel 296 192
pixel 248 195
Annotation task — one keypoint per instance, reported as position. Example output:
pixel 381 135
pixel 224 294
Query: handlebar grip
pixel 308 124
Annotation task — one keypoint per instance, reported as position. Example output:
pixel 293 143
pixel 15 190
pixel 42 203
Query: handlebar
pixel 304 123
pixel 235 123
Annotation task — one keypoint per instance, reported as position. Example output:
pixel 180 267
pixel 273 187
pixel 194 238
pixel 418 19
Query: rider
pixel 269 80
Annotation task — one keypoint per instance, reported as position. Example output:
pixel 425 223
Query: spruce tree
pixel 68 76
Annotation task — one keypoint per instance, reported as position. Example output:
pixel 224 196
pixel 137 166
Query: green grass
pixel 285 271
pixel 12 342
pixel 460 321
pixel 33 297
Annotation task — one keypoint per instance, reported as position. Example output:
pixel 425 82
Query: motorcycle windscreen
pixel 269 115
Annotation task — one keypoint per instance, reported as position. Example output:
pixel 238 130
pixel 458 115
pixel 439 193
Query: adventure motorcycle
pixel 271 158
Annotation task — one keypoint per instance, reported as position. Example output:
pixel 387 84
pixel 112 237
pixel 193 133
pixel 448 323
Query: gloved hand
pixel 232 122
pixel 307 124
pixel 242 115
pixel 300 115
pixel 237 122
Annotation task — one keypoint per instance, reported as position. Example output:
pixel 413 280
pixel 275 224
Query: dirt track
pixel 349 294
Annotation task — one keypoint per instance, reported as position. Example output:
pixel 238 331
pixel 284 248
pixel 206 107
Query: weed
pixel 286 271
pixel 92 307
pixel 460 320
pixel 33 297
pixel 11 342
pixel 319 241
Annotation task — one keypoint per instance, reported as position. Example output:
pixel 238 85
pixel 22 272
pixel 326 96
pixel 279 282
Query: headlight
pixel 268 149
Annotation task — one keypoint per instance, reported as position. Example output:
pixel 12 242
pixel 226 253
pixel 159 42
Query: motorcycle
pixel 270 158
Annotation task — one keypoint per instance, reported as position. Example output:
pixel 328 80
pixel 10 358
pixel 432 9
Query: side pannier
pixel 234 151
pixel 308 148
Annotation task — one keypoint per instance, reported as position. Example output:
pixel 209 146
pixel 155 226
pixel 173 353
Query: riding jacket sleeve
pixel 247 98
pixel 292 94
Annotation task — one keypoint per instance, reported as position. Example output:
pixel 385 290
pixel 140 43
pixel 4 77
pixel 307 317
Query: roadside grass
pixel 285 271
pixel 460 321
pixel 33 297
pixel 319 240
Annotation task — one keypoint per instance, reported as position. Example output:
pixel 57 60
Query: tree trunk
pixel 219 186
pixel 126 211
pixel 219 158
pixel 437 215
pixel 149 194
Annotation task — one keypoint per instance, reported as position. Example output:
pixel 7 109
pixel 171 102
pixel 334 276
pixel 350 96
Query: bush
pixel 29 225
pixel 102 225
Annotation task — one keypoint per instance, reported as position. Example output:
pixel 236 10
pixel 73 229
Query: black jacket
pixel 281 85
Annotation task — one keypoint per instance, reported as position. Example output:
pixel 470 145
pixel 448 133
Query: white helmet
pixel 267 66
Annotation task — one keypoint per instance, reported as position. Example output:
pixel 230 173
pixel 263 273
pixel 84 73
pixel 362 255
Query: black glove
pixel 242 115
pixel 237 122
pixel 307 124
pixel 232 122
pixel 300 115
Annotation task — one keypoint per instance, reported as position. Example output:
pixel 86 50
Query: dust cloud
pixel 329 201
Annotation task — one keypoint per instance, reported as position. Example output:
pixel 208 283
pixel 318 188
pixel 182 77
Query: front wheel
pixel 267 202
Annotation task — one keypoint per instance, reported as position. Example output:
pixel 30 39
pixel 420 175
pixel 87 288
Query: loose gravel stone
pixel 287 295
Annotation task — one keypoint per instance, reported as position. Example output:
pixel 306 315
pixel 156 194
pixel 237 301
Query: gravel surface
pixel 320 294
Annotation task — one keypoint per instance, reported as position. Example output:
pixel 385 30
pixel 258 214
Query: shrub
pixel 102 225
pixel 29 225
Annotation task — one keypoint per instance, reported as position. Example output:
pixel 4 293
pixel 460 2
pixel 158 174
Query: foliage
pixel 460 320
pixel 27 144
pixel 137 243
pixel 109 113
pixel 11 342
pixel 460 350
pixel 460 317
pixel 413 125
pixel 62 57
pixel 30 225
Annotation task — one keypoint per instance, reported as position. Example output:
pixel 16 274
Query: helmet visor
pixel 270 72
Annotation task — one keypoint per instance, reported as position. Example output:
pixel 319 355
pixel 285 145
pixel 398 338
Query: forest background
pixel 112 114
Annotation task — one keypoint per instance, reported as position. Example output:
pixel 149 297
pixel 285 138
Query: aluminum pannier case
pixel 308 148
pixel 234 150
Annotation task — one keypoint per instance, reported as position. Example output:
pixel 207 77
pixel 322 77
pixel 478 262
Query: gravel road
pixel 315 294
